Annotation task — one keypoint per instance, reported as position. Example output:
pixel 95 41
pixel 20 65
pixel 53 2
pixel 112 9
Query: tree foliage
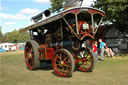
pixel 116 11
pixel 13 37
pixel 56 5
pixel 16 37
pixel 1 35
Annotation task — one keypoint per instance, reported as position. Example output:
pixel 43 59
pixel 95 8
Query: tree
pixel 12 36
pixel 16 36
pixel 56 5
pixel 1 35
pixel 23 37
pixel 116 11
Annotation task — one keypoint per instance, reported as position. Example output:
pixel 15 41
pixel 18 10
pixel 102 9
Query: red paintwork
pixel 82 34
pixel 71 11
pixel 42 51
pixel 27 52
pixel 45 52
pixel 16 46
pixel 87 35
pixel 49 53
pixel 92 11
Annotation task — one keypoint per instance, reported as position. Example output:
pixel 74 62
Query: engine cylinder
pixel 47 13
pixel 38 17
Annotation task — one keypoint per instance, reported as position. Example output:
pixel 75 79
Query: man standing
pixel 102 49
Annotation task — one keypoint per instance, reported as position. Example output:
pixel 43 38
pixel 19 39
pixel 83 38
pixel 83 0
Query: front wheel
pixel 63 63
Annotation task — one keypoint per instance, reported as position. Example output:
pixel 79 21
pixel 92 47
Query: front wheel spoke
pixel 65 58
pixel 58 57
pixel 58 65
pixel 57 61
pixel 67 66
pixel 63 70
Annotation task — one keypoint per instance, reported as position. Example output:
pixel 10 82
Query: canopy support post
pixel 70 28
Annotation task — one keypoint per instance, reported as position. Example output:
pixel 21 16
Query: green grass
pixel 13 71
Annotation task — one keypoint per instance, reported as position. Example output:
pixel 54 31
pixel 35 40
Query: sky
pixel 16 14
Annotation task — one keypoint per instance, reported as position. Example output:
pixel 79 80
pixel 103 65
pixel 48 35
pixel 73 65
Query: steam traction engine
pixel 62 38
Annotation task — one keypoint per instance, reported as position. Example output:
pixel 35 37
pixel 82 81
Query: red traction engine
pixel 62 40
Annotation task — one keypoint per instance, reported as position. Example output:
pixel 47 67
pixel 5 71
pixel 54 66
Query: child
pixel 95 50
pixel 109 52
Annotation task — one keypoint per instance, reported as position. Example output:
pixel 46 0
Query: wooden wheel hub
pixel 62 63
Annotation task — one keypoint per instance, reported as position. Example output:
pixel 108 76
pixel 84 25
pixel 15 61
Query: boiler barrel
pixel 61 44
pixel 73 46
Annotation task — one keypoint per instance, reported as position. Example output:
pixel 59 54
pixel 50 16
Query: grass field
pixel 13 71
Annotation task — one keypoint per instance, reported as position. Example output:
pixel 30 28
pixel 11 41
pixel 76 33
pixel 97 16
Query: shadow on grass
pixel 59 76
pixel 77 70
pixel 46 67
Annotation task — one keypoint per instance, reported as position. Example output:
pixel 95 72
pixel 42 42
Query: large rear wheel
pixel 63 63
pixel 32 55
